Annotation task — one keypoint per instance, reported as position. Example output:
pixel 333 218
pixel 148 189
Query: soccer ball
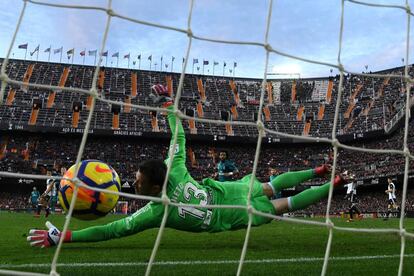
pixel 90 204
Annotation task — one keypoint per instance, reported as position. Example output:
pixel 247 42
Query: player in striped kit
pixel 44 199
pixel 392 198
pixel 351 196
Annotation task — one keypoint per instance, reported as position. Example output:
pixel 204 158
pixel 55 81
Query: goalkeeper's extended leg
pixel 292 179
pixel 305 198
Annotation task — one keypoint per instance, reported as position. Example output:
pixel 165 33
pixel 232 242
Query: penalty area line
pixel 197 262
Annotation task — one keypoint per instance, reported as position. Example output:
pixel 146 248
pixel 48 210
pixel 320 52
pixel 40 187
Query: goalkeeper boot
pixel 343 178
pixel 323 170
pixel 340 180
pixel 159 95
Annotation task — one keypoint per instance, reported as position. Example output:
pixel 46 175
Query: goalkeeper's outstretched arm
pixel 180 151
pixel 161 96
pixel 147 217
pixel 178 168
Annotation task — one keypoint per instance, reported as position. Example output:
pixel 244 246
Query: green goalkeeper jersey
pixel 182 188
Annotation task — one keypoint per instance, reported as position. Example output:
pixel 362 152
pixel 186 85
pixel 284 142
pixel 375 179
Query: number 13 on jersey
pixel 194 195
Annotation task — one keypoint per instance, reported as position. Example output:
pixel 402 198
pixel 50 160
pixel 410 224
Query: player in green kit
pixel 182 188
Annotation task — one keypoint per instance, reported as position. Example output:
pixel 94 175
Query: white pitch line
pixel 167 263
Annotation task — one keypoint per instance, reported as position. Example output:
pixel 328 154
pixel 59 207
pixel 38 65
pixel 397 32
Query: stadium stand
pixel 295 107
pixel 22 152
pixel 303 107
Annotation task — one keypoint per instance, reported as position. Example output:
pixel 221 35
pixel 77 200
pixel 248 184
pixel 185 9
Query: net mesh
pixel 261 129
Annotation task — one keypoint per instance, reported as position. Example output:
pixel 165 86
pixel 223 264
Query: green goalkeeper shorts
pixel 235 193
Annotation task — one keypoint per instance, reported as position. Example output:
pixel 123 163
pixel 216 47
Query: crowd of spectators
pixel 371 103
pixel 367 103
pixel 27 153
pixel 125 154
pixel 14 201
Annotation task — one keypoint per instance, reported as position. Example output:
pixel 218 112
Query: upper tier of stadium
pixel 301 106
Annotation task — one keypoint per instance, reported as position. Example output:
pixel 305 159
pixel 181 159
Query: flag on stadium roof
pixel 35 50
pixel 116 54
pixel 23 46
pixel 92 52
pixel 183 60
pixel 127 55
pixel 195 60
pixel 166 65
pixel 47 50
pixel 235 64
pixel 139 56
pixel 71 51
pixel 134 62
pixel 215 63
pixel 172 58
pixel 205 62
pixel 150 57
pixel 59 50
pixel 224 64
pixel 105 54
pixel 82 53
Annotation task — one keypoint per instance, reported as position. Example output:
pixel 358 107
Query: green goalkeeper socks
pixel 308 197
pixel 291 179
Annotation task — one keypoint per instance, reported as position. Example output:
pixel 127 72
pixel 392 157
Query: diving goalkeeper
pixel 182 188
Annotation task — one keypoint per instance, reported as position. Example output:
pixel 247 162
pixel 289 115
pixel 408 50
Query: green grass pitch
pixel 278 248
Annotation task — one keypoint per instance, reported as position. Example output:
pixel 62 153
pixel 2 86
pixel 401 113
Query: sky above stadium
pixel 372 37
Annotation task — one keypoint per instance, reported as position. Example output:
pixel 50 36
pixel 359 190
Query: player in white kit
pixel 351 196
pixel 392 198
pixel 44 199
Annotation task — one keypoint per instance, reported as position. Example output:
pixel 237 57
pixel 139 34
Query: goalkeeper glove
pixel 47 238
pixel 323 170
pixel 341 179
pixel 160 95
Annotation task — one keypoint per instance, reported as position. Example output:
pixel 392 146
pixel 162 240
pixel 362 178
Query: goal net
pixel 262 131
